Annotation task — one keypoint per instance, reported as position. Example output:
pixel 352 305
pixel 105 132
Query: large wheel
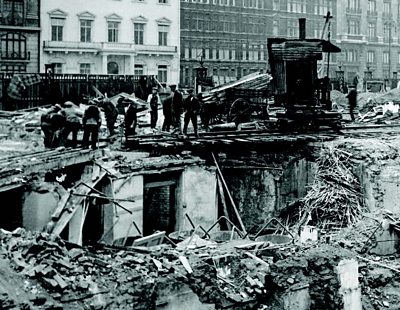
pixel 240 111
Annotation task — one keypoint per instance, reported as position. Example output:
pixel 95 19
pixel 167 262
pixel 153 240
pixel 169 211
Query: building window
pixel 113 28
pixel 84 68
pixel 250 3
pixel 58 68
pixel 86 30
pixel 13 12
pixel 12 68
pixel 138 29
pixel 370 56
pixel 353 5
pixel 371 6
pixel 398 58
pixel 275 5
pixel 386 7
pixel 163 1
pixel 386 58
pixel 163 35
pixel 386 32
pixel 293 28
pixel 351 56
pixel 371 31
pixel 296 6
pixel 317 30
pixel 353 27
pixel 57 29
pixel 13 46
pixel 321 7
pixel 139 70
pixel 275 28
pixel 162 74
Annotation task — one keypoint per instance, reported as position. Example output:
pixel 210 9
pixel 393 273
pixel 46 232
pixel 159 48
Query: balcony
pixel 95 47
pixel 156 49
pixel 70 46
pixel 372 13
pixel 117 47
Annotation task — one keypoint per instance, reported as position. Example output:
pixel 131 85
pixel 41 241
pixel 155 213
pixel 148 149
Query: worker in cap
pixel 110 113
pixel 130 117
pixel 177 108
pixel 91 125
pixel 191 107
pixel 154 101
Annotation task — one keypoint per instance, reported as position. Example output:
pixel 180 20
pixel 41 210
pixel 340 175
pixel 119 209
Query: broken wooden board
pixel 68 209
pixel 151 240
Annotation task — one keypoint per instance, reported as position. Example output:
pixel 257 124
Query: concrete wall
pixel 261 193
pixel 131 189
pixel 199 196
pixel 38 207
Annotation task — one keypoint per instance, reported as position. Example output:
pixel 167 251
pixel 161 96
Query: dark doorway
pixel 159 205
pixel 112 68
pixel 11 216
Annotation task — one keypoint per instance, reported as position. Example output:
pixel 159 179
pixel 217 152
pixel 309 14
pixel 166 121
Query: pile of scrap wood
pixel 334 198
pixel 254 81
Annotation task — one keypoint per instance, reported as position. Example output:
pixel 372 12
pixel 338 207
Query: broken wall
pixel 130 188
pixel 199 185
pixel 38 205
pixel 261 193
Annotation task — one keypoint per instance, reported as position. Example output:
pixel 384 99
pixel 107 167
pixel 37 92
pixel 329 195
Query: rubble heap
pixel 76 277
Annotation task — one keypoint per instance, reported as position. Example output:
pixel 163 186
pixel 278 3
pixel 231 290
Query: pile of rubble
pixel 75 277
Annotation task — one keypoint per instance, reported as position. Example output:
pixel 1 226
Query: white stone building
pixel 112 37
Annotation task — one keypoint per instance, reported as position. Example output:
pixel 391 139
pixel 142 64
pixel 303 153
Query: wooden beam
pixel 229 195
pixel 222 196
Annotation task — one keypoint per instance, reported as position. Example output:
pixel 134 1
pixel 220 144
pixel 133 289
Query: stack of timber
pixel 254 81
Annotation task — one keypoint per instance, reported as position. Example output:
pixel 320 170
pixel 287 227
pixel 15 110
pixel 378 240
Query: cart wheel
pixel 240 111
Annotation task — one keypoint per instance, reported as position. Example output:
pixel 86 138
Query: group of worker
pixel 173 107
pixel 59 121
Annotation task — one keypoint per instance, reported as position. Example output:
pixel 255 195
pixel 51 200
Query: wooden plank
pixel 229 195
pixel 152 240
pixel 222 196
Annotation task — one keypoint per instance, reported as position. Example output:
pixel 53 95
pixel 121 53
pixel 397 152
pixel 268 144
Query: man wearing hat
pixel 177 107
pixel 154 100
pixel 352 98
pixel 91 124
pixel 130 117
pixel 191 107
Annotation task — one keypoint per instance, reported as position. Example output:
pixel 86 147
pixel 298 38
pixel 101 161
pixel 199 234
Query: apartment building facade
pixel 230 36
pixel 112 37
pixel 19 36
pixel 368 34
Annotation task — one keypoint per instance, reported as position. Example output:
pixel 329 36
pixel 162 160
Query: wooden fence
pixel 74 87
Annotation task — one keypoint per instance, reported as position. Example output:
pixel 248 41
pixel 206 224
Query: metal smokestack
pixel 302 28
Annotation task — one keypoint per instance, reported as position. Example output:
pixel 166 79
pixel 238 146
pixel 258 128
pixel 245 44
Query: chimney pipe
pixel 302 28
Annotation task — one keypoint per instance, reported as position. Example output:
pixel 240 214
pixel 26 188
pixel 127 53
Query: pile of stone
pixel 76 277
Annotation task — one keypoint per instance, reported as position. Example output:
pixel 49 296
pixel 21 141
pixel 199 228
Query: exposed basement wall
pixel 260 193
pixel 38 206
pixel 199 197
pixel 130 189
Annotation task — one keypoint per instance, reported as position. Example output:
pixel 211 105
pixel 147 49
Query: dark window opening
pixel 13 12
pixel 13 46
